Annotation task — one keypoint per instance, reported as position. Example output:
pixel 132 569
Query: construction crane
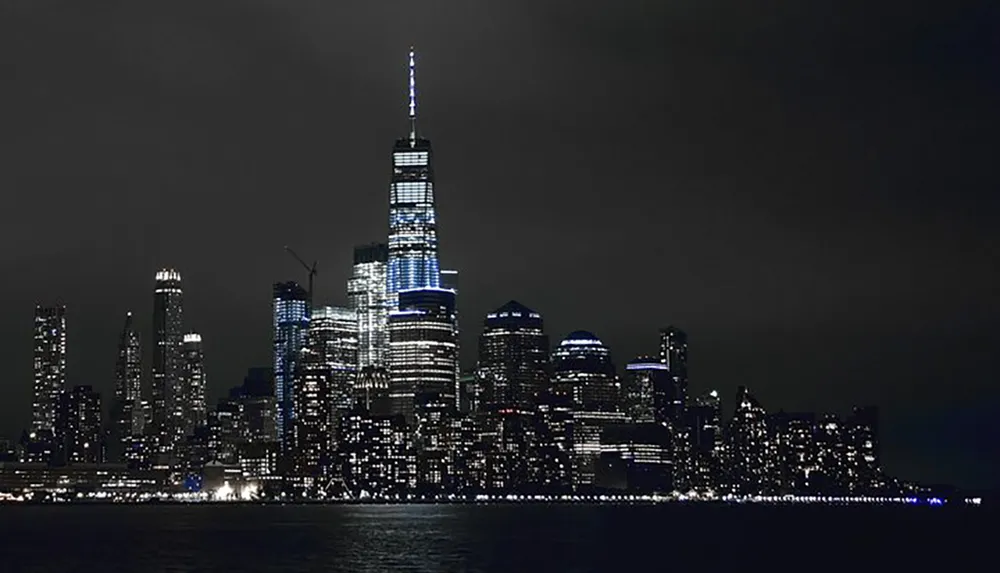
pixel 312 272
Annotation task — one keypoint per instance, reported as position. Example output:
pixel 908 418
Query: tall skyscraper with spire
pixel 423 345
pixel 168 341
pixel 413 243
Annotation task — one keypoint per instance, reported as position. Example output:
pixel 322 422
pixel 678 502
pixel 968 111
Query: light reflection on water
pixel 446 538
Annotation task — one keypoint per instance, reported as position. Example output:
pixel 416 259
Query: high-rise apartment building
pixel 168 339
pixel 291 323
pixel 50 369
pixel 193 396
pixel 513 365
pixel 366 293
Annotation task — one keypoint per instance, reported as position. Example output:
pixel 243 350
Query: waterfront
pixel 475 538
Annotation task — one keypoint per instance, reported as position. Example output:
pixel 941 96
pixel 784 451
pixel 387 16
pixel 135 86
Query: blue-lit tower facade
pixel 422 326
pixel 413 243
pixel 291 323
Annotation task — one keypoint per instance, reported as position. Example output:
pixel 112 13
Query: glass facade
pixel 512 369
pixel 291 322
pixel 423 350
pixel 413 248
pixel 366 292
pixel 333 334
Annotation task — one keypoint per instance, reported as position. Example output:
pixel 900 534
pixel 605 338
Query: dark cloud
pixel 807 188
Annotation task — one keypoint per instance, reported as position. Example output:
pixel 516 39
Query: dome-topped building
pixel 583 370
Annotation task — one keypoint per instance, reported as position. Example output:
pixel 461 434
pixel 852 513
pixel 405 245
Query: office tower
pixel 333 334
pixel 367 298
pixel 423 351
pixel 583 371
pixel 673 354
pixel 291 322
pixel 50 370
pixel 705 417
pixel 645 382
pixel 193 384
pixel 413 248
pixel 80 423
pixel 168 339
pixel 513 358
pixel 748 447
pixel 127 413
pixel 584 374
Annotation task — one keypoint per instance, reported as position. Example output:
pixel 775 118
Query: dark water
pixel 526 538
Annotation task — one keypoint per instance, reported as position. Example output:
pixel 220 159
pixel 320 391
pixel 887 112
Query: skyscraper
pixel 673 353
pixel 50 369
pixel 645 379
pixel 748 447
pixel 333 335
pixel 423 351
pixel 291 322
pixel 193 395
pixel 413 243
pixel 80 423
pixel 310 440
pixel 584 374
pixel 583 371
pixel 168 339
pixel 513 358
pixel 127 413
pixel 367 297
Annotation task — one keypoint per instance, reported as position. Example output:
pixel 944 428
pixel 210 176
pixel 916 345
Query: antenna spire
pixel 413 99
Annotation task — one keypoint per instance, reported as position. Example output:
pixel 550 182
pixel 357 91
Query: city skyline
pixel 832 371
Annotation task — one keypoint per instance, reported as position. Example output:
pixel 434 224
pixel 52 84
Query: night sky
pixel 807 188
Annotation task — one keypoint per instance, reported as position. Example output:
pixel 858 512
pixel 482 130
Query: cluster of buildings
pixel 368 400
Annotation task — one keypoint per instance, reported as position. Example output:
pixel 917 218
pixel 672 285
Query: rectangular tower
pixel 291 322
pixel 168 338
pixel 195 409
pixel 423 350
pixel 127 413
pixel 366 292
pixel 50 369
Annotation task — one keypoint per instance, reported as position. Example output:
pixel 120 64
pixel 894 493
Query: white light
pixel 168 275
pixel 192 337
